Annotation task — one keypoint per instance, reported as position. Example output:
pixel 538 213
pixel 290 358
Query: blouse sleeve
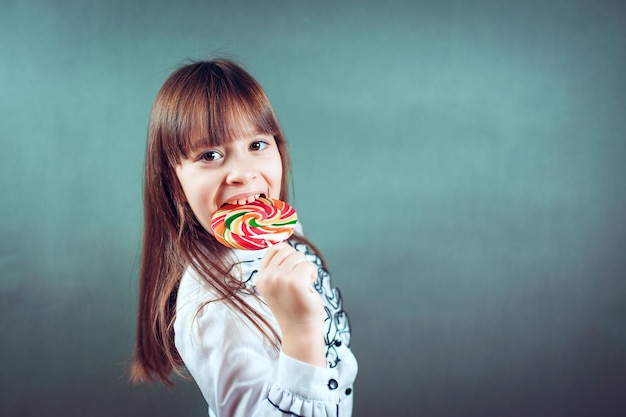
pixel 240 374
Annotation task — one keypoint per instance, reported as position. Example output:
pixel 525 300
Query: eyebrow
pixel 204 142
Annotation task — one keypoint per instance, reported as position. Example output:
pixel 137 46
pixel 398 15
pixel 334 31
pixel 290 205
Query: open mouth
pixel 242 201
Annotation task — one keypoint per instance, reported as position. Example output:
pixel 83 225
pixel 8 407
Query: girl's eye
pixel 258 145
pixel 210 156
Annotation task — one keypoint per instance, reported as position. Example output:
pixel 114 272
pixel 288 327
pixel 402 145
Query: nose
pixel 240 171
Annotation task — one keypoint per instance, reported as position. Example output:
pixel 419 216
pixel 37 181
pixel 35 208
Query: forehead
pixel 203 134
pixel 201 120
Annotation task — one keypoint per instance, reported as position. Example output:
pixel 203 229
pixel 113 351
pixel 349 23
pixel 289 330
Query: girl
pixel 263 333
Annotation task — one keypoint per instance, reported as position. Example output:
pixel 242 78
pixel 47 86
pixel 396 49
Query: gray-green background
pixel 460 164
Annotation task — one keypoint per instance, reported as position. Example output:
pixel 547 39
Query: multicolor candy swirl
pixel 256 225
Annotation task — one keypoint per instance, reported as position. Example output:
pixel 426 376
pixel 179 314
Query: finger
pixel 291 259
pixel 310 271
pixel 286 258
pixel 271 254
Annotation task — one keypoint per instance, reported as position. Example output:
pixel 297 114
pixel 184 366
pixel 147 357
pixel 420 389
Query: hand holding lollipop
pixel 285 275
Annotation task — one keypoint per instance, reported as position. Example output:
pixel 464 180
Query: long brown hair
pixel 216 98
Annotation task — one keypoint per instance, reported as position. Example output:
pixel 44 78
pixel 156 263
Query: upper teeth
pixel 247 200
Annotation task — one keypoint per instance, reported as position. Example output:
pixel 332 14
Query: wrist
pixel 305 345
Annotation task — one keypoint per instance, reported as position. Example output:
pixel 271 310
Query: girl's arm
pixel 239 372
pixel 285 281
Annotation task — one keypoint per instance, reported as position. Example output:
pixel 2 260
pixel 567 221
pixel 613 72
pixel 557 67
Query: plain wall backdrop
pixel 461 164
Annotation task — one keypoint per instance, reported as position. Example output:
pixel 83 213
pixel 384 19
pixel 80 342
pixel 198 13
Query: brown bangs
pixel 213 103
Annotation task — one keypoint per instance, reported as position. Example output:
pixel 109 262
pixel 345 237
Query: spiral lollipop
pixel 257 225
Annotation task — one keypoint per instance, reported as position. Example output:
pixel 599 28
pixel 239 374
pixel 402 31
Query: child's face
pixel 237 172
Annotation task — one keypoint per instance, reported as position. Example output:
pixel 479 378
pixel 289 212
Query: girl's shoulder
pixel 193 288
pixel 197 300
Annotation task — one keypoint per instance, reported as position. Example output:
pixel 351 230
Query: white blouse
pixel 240 373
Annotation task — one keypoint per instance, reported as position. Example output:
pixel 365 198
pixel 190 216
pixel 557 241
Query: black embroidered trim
pixel 289 412
pixel 253 273
pixel 281 410
pixel 337 322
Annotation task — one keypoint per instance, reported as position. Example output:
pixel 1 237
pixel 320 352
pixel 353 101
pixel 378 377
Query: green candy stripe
pixel 230 219
pixel 254 223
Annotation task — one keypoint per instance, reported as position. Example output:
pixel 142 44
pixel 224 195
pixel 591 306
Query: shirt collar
pixel 246 263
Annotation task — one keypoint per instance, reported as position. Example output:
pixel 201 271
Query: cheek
pixel 277 180
pixel 199 197
pixel 278 169
pixel 202 212
pixel 279 175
